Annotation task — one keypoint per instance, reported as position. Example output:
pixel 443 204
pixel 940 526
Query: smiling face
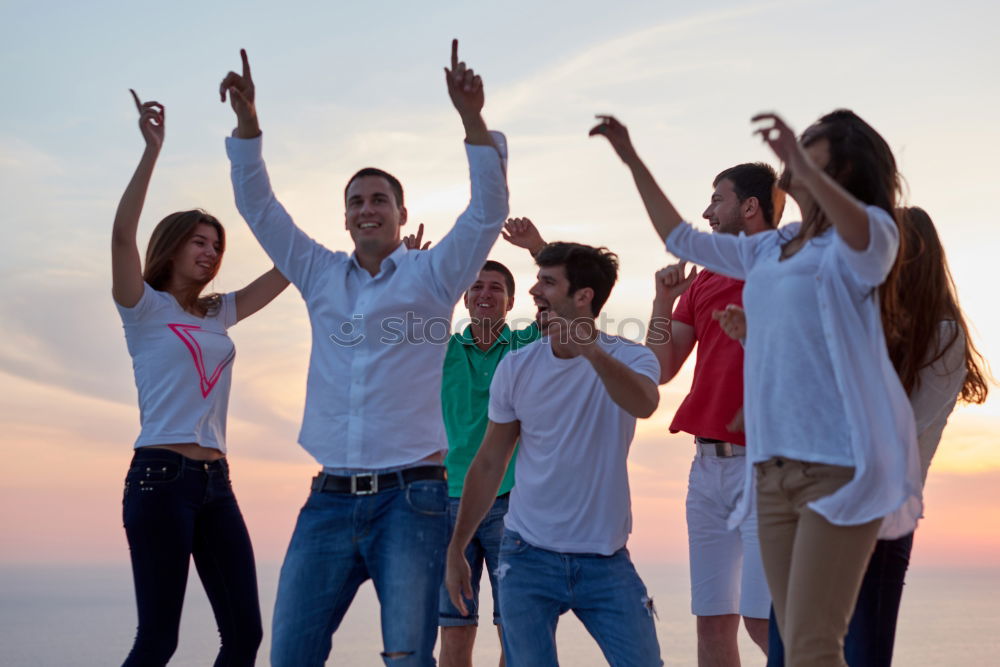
pixel 373 217
pixel 552 297
pixel 487 299
pixel 725 211
pixel 197 260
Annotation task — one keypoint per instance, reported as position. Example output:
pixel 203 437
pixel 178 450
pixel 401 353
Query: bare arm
pixel 634 393
pixel 126 267
pixel 259 293
pixel 661 212
pixel 847 214
pixel 670 341
pixel 478 493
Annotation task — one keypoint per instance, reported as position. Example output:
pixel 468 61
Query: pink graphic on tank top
pixel 186 333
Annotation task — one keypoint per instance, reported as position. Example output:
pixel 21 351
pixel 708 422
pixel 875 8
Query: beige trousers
pixel 814 568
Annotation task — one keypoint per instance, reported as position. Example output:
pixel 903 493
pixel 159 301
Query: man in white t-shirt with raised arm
pixel 373 410
pixel 572 398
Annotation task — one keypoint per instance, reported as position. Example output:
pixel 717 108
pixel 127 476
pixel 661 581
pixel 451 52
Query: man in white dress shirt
pixel 373 414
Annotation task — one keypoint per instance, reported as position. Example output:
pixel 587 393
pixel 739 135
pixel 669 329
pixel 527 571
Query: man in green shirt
pixel 471 360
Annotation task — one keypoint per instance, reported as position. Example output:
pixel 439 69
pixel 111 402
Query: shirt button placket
pixel 356 387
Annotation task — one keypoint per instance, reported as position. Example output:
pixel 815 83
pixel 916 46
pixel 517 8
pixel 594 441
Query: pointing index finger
pixel 454 54
pixel 138 104
pixel 246 63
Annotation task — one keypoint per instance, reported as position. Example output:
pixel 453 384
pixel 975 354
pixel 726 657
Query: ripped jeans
pixel 605 592
pixel 396 538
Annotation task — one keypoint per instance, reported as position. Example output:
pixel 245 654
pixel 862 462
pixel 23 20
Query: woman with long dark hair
pixel 930 347
pixel 178 500
pixel 831 442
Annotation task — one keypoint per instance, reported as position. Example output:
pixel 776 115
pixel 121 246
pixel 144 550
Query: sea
pixel 85 615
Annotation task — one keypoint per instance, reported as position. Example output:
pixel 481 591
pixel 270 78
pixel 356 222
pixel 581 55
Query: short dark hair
pixel 753 179
pixel 508 277
pixel 394 184
pixel 586 266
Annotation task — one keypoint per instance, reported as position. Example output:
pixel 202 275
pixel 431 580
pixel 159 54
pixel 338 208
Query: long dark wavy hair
pixel 860 161
pixel 167 239
pixel 917 297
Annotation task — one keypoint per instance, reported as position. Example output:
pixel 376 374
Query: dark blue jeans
pixel 175 508
pixel 872 632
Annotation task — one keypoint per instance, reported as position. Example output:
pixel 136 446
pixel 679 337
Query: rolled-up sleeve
pixel 456 260
pixel 871 266
pixel 291 249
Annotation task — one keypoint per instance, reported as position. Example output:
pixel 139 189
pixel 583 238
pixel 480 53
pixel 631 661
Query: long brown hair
pixel 917 297
pixel 860 161
pixel 167 239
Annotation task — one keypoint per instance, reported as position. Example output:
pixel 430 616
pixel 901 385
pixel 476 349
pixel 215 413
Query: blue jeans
pixel 175 508
pixel 605 592
pixel 397 538
pixel 483 548
pixel 872 631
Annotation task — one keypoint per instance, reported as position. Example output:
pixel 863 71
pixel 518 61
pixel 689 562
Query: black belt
pixel 369 483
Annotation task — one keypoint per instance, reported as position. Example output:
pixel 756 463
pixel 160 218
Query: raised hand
pixel 523 233
pixel 465 87
pixel 242 96
pixel 413 241
pixel 616 133
pixel 152 116
pixel 781 139
pixel 733 321
pixel 577 336
pixel 671 281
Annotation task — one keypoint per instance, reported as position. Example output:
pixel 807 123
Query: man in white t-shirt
pixel 572 398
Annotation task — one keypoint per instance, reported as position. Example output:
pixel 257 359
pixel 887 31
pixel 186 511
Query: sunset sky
pixel 345 85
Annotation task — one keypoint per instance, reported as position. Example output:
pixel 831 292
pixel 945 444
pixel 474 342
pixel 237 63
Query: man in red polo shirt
pixel 727 579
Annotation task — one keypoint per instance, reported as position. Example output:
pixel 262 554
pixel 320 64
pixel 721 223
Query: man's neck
pixel 486 332
pixel 755 226
pixel 372 263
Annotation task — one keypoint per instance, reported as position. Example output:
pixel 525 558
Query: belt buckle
pixel 372 484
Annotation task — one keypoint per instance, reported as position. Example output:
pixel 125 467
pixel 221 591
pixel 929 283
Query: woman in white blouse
pixel 938 365
pixel 178 501
pixel 830 433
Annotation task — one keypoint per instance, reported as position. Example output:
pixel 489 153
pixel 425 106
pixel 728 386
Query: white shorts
pixel 727 576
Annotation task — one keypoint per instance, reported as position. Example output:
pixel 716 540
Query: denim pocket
pixel 512 545
pixel 152 472
pixel 428 497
